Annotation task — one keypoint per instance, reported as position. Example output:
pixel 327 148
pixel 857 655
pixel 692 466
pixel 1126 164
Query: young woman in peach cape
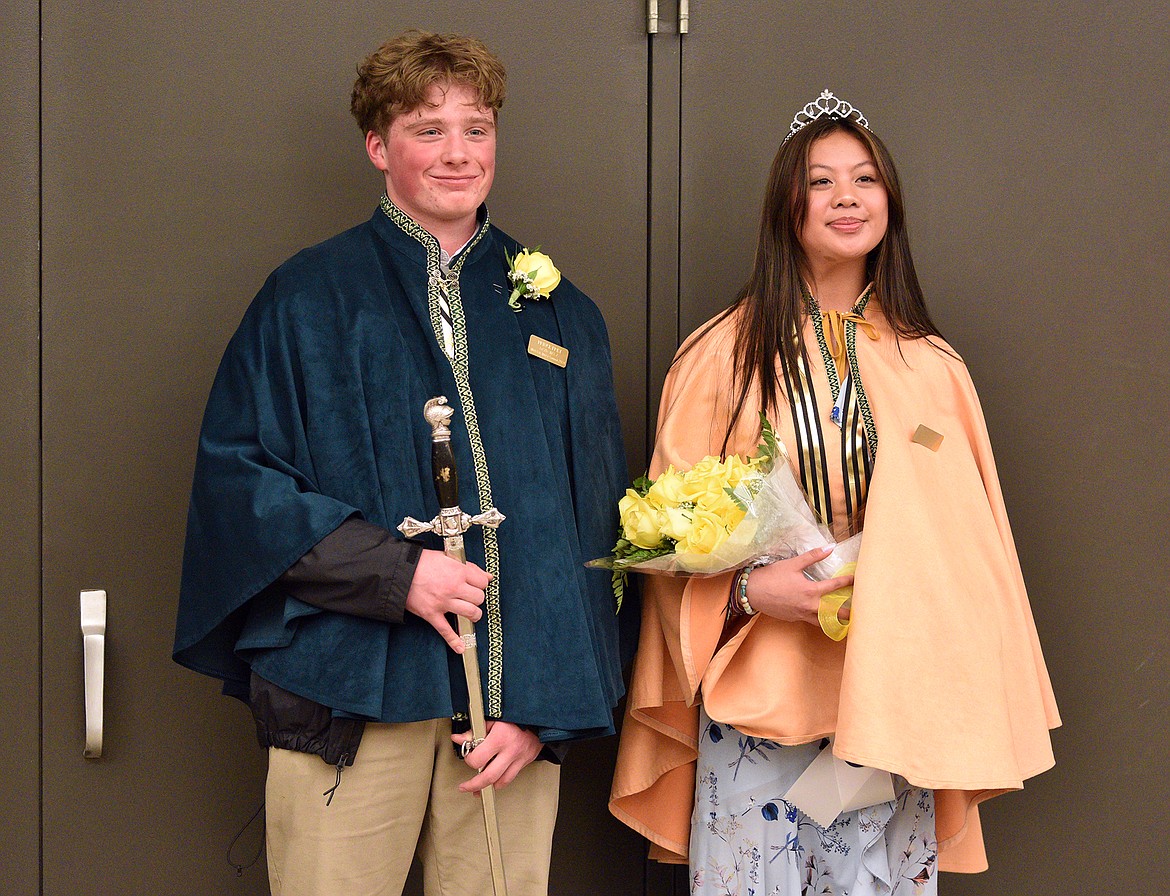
pixel 938 678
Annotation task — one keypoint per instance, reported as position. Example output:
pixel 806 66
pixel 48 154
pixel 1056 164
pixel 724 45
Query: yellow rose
pixel 706 534
pixel 668 489
pixel 739 469
pixel 705 481
pixel 676 523
pixel 725 509
pixel 709 465
pixel 641 522
pixel 539 268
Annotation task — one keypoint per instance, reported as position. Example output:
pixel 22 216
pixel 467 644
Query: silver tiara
pixel 825 104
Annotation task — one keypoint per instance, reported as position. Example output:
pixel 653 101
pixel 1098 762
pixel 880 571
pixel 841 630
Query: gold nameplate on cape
pixel 549 351
pixel 927 437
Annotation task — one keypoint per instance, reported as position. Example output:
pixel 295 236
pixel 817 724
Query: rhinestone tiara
pixel 825 104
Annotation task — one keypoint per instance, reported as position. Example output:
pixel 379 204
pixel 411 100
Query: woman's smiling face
pixel 848 207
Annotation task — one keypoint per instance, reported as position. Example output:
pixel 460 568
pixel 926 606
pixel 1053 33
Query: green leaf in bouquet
pixel 770 446
pixel 632 555
pixel 618 582
pixel 736 499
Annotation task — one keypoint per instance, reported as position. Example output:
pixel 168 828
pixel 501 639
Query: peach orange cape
pixel 941 679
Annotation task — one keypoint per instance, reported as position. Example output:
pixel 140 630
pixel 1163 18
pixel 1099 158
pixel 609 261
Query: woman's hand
pixel 781 589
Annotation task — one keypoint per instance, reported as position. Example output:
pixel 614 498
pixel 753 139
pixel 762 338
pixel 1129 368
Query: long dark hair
pixel 771 304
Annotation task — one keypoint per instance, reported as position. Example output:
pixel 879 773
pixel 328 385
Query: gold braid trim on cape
pixel 941 679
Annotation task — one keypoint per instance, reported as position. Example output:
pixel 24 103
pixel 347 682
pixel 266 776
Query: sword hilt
pixel 451 521
pixel 443 469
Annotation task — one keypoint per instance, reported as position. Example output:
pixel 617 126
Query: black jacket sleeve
pixel 363 570
pixel 358 568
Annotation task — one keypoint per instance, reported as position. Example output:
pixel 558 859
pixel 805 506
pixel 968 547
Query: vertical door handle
pixel 93 637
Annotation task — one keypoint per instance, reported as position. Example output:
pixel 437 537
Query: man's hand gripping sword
pixel 451 523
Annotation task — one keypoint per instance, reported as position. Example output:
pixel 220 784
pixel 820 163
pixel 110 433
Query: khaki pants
pixel 401 796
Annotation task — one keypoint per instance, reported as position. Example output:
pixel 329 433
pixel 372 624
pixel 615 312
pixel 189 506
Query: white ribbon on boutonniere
pixel 532 275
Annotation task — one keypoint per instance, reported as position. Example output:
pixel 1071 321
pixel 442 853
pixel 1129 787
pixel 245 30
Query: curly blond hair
pixel 397 76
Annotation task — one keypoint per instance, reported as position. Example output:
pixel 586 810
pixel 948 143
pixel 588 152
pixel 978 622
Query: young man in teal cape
pixel 297 589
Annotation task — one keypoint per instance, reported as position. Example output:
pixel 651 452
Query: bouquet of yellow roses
pixel 720 514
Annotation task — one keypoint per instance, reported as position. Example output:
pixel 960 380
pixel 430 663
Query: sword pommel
pixel 438 414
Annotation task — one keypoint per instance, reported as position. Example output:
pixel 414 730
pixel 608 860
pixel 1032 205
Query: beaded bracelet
pixel 733 607
pixel 737 602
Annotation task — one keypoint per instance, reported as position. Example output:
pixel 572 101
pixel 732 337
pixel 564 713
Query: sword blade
pixel 478 733
pixel 495 850
pixel 453 547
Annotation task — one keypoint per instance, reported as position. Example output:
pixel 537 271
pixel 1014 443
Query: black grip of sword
pixel 443 469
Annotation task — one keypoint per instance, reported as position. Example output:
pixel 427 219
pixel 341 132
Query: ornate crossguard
pixel 448 524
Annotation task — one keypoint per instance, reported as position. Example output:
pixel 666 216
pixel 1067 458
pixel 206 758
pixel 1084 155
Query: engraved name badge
pixel 927 437
pixel 549 351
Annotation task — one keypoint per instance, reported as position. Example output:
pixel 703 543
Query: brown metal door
pixel 1032 143
pixel 187 149
pixel 20 608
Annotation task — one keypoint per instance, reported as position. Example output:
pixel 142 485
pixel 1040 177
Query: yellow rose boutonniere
pixel 532 275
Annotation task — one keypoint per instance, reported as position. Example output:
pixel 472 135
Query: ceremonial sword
pixel 451 523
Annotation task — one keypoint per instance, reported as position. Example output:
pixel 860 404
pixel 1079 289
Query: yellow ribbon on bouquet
pixel 831 604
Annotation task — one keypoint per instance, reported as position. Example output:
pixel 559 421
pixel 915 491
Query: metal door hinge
pixel 684 16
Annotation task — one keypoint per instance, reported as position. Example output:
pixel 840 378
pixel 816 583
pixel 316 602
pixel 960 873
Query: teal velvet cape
pixel 316 416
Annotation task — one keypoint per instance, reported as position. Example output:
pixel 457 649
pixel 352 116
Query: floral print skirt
pixel 747 840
